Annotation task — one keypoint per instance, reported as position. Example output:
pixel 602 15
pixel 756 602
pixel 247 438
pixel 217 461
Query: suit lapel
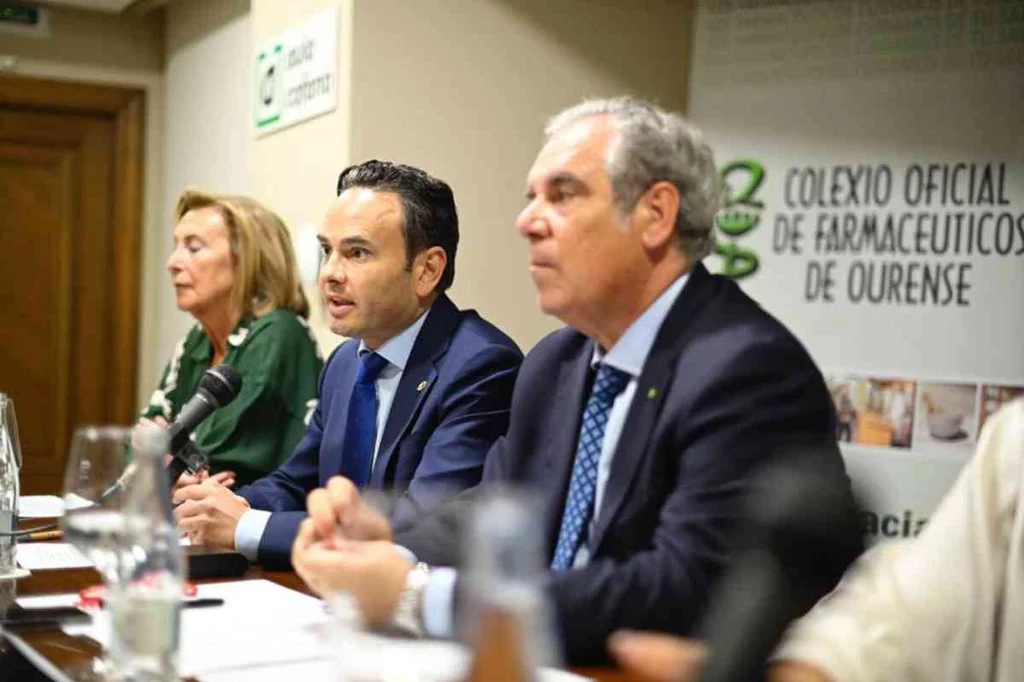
pixel 655 379
pixel 417 381
pixel 572 387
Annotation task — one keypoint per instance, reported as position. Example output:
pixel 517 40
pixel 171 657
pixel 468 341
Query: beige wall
pixel 94 38
pixel 295 170
pixel 462 88
pixel 114 50
pixel 208 141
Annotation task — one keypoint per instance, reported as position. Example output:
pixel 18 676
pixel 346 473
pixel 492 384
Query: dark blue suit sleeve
pixel 283 491
pixel 763 396
pixel 474 414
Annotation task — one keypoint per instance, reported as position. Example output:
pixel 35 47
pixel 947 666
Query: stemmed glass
pixel 10 420
pixel 10 491
pixel 99 463
pixel 93 522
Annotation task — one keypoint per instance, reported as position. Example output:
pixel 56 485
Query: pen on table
pixel 196 603
pixel 203 601
pixel 44 535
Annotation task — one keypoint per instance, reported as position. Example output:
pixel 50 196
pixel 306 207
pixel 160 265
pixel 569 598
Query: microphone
pixel 804 530
pixel 218 387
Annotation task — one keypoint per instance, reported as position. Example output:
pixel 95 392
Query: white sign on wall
pixel 875 166
pixel 297 74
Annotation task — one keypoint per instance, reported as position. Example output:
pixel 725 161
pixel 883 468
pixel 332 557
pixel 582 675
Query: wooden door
pixel 70 212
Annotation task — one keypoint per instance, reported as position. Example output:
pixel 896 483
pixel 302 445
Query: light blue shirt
pixel 629 355
pixel 396 351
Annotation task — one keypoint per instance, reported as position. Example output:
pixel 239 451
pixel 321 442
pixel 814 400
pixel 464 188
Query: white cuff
pixel 407 553
pixel 249 532
pixel 439 603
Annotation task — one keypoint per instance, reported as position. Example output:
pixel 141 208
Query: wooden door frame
pixel 125 107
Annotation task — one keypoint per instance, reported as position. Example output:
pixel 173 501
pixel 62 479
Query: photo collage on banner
pixel 874 173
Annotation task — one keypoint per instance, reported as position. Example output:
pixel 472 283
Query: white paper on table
pixel 46 601
pixel 39 556
pixel 260 623
pixel 421 660
pixel 265 631
pixel 47 506
pixel 312 649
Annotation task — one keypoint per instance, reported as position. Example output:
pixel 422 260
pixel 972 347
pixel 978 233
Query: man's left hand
pixel 208 513
pixel 374 573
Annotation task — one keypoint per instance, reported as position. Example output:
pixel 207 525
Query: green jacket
pixel 279 362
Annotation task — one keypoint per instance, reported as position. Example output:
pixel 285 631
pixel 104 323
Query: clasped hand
pixel 345 547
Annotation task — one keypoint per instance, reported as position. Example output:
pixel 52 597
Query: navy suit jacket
pixel 725 389
pixel 452 403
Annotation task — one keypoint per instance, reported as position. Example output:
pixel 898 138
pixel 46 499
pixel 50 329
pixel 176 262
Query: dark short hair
pixel 428 207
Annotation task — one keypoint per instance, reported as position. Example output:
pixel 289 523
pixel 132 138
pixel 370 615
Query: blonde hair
pixel 266 274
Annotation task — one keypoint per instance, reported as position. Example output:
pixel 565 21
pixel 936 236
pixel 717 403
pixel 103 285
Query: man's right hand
pixel 338 510
pixel 665 658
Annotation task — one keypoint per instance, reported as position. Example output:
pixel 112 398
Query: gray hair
pixel 655 145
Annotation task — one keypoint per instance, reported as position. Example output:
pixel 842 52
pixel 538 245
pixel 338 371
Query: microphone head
pixel 809 520
pixel 802 530
pixel 222 383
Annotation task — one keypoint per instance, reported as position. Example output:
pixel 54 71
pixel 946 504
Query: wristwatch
pixel 408 617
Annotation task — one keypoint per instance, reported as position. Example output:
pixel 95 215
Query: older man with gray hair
pixel 639 426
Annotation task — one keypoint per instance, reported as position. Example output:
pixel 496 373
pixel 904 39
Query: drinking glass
pixel 98 462
pixel 9 419
pixel 98 465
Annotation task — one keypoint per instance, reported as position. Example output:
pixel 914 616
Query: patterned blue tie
pixel 579 504
pixel 361 427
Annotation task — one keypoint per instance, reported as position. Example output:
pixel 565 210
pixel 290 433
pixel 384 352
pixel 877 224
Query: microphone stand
pixel 189 458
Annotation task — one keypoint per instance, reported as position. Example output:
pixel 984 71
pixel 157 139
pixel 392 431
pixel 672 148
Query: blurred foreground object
pixel 804 530
pixel 508 619
pixel 10 466
pixel 146 612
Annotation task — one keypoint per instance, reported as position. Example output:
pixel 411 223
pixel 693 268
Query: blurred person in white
pixel 945 606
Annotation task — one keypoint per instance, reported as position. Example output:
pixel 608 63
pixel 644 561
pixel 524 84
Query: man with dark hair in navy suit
pixel 412 403
pixel 641 426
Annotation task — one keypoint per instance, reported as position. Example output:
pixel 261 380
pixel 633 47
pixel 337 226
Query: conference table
pixel 54 654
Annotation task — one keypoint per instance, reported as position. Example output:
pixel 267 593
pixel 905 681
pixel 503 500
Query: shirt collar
pixel 396 350
pixel 241 331
pixel 631 350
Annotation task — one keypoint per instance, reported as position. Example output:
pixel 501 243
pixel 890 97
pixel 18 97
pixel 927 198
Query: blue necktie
pixel 361 427
pixel 579 504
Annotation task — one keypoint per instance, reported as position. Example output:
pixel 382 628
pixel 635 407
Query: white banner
pixel 297 73
pixel 875 162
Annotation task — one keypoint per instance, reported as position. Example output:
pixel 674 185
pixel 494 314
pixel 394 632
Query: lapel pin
pixel 422 385
pixel 652 393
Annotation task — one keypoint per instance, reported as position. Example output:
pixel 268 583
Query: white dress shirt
pixel 629 355
pixel 396 351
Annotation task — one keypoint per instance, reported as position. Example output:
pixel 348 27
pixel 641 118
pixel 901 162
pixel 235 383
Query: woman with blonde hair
pixel 233 269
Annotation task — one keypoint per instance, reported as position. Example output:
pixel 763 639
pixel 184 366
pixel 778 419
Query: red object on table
pixel 92 596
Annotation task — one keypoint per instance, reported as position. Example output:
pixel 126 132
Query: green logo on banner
pixel 740 214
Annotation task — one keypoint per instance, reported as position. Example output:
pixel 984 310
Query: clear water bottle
pixel 508 620
pixel 146 610
pixel 10 465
